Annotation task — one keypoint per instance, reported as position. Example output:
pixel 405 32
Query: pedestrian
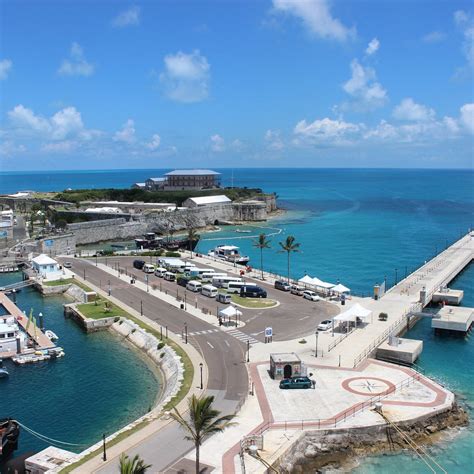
pixel 313 383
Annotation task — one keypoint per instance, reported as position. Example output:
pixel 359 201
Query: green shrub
pixel 161 345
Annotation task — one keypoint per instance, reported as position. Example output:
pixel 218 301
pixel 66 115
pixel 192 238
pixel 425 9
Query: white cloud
pixel 154 143
pixel 65 146
pixel 465 22
pixel 127 133
pixel 326 132
pixel 217 143
pixel 372 47
pixel 130 17
pixel 76 65
pixel 434 37
pixel 186 77
pixel 316 16
pixel 467 117
pixel 10 148
pixel 25 119
pixel 273 140
pixel 364 88
pixel 5 67
pixel 409 110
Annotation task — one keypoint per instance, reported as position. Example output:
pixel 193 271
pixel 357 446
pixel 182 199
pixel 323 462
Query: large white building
pixel 45 266
pixel 206 201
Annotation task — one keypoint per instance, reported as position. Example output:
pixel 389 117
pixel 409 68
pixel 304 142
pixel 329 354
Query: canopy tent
pixel 354 312
pixel 307 280
pixel 229 312
pixel 340 289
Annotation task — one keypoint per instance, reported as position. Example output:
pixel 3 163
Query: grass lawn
pixel 254 303
pixel 66 281
pixel 98 311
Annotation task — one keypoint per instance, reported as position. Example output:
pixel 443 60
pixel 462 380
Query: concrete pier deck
pixel 453 319
pixel 42 341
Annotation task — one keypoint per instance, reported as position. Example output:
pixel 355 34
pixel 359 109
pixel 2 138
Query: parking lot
pixel 294 317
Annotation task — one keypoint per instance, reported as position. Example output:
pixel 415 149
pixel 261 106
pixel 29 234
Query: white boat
pixel 51 335
pixel 229 253
pixel 243 231
pixel 3 371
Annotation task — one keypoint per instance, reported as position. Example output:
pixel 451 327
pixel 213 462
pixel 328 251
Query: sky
pixel 263 83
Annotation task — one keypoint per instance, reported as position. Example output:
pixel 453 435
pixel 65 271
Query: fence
pixel 339 339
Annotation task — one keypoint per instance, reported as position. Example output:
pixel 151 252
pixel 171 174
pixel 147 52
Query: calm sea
pixel 356 226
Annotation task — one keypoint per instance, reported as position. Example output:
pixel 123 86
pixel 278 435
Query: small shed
pixel 44 265
pixel 285 365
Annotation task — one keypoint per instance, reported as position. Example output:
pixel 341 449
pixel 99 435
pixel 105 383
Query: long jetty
pixel 400 303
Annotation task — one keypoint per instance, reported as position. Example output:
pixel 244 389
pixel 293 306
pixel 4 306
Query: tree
pixel 289 246
pixel 132 466
pixel 262 243
pixel 203 421
pixel 192 237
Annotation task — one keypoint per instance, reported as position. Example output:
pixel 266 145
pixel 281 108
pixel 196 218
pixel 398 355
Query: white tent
pixel 306 279
pixel 229 312
pixel 340 289
pixel 322 284
pixel 354 312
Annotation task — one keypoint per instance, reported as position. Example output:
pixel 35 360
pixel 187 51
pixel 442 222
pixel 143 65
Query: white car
pixel 67 265
pixel 325 325
pixel 311 295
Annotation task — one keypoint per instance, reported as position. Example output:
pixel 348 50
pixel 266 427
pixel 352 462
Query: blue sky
pixel 269 83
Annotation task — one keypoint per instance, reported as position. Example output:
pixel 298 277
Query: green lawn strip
pixel 67 281
pixel 253 302
pixel 97 312
pixel 108 445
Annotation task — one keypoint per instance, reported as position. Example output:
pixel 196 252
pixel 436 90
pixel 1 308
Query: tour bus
pixel 198 272
pixel 223 282
pixel 207 277
pixel 194 285
pixel 160 272
pixel 235 286
pixel 148 268
pixel 170 276
pixel 209 291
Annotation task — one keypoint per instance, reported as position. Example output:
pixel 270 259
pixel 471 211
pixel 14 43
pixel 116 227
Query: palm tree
pixel 192 236
pixel 289 246
pixel 203 421
pixel 262 243
pixel 132 466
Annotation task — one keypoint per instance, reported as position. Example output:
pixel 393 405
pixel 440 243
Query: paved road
pixel 224 356
pixel 295 317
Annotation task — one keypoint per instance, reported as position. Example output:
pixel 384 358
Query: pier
pixel 401 303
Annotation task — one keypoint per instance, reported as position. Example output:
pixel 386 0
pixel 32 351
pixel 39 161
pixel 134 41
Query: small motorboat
pixel 3 371
pixel 51 335
pixel 243 231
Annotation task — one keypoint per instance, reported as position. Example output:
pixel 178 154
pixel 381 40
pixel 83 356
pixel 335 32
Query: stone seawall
pixel 339 449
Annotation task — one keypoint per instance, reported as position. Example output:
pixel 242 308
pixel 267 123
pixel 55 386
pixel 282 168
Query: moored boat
pixel 9 434
pixel 229 253
pixel 51 335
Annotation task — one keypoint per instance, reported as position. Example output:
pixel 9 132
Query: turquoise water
pixel 98 387
pixel 449 360
pixel 356 226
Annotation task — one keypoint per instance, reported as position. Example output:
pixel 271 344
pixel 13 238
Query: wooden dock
pixel 42 341
pixel 402 301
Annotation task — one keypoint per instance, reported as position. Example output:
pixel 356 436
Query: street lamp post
pixel 141 308
pixel 84 273
pixel 110 289
pixel 316 348
pixel 200 366
pixel 185 333
pixel 104 455
pixel 146 279
pixel 248 350
pixel 96 259
pixel 396 276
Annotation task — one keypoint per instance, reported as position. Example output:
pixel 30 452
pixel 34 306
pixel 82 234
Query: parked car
pixel 296 382
pixel 194 286
pixel 183 281
pixel 282 285
pixel 325 325
pixel 224 298
pixel 311 295
pixel 148 268
pixel 296 290
pixel 138 264
pixel 67 265
pixel 253 292
pixel 169 276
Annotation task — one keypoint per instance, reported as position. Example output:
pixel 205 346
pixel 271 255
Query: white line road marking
pixel 211 346
pixel 256 333
pixel 306 317
pixel 227 343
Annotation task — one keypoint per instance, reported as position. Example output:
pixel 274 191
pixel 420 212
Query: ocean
pixel 356 226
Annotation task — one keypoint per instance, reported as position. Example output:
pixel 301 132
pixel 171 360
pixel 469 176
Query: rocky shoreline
pixel 338 450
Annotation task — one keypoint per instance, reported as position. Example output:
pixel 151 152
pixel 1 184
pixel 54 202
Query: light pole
pixel 96 259
pixel 185 295
pixel 146 279
pixel 110 289
pixel 84 273
pixel 104 456
pixel 248 350
pixel 200 366
pixel 316 351
pixel 185 333
pixel 396 276
pixel 141 308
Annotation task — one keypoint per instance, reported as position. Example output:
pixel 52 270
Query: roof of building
pixel 157 180
pixel 142 185
pixel 192 173
pixel 203 200
pixel 285 357
pixel 44 260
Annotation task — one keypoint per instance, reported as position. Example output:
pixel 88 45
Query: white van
pixel 169 276
pixel 148 268
pixel 223 282
pixel 194 285
pixel 235 286
pixel 160 272
pixel 209 291
pixel 207 277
